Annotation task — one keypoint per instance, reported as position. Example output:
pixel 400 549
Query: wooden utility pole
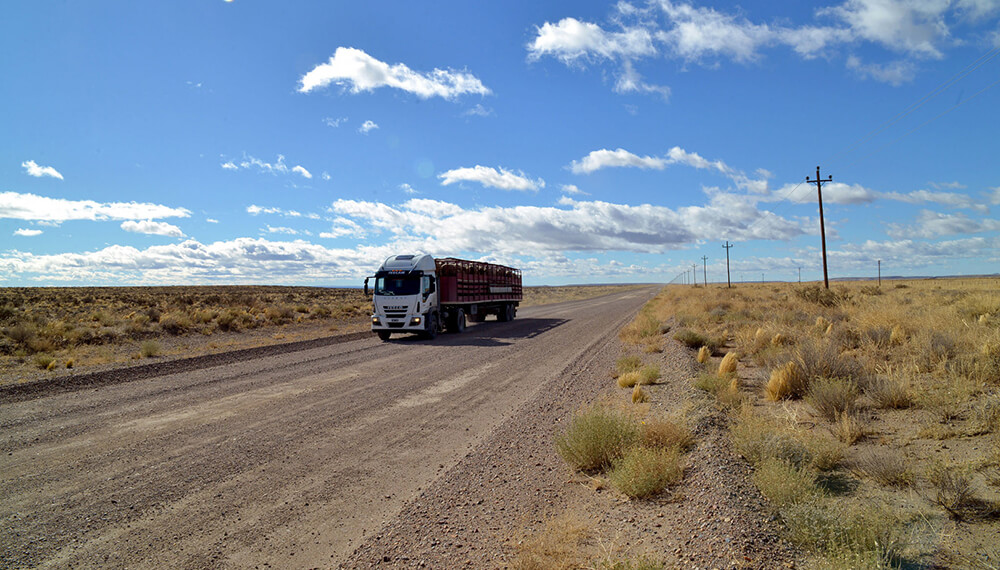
pixel 704 269
pixel 800 275
pixel 822 228
pixel 880 273
pixel 729 282
pixel 694 274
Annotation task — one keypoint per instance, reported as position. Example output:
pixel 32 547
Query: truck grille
pixel 395 314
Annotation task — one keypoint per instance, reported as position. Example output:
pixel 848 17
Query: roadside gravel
pixel 508 487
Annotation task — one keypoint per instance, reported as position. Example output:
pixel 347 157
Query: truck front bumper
pixel 399 324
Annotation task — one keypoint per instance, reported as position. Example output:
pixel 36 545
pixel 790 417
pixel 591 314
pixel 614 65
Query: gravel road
pixel 296 459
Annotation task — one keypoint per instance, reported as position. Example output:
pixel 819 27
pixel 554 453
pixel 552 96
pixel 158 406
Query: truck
pixel 423 295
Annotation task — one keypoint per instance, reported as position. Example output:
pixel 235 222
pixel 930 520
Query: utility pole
pixel 761 277
pixel 694 274
pixel 729 282
pixel 880 273
pixel 704 269
pixel 822 228
pixel 800 275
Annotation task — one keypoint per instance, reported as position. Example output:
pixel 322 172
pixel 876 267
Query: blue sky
pixel 214 142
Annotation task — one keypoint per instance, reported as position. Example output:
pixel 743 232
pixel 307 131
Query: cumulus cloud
pixel 573 190
pixel 282 230
pixel 278 167
pixel 27 232
pixel 331 122
pixel 152 228
pixel 572 226
pixel 571 40
pixel 833 193
pixel 914 30
pixel 32 169
pixel 33 207
pixel 358 72
pixel 935 224
pixel 255 210
pixel 894 73
pixel 478 111
pixel 367 127
pixel 618 158
pixel 492 178
pixel 952 199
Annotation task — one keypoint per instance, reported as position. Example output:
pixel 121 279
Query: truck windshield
pixel 397 285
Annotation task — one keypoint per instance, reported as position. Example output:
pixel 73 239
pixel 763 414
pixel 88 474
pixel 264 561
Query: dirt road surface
pixel 287 461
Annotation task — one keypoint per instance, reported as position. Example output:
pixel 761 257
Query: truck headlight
pixel 415 321
pixel 375 321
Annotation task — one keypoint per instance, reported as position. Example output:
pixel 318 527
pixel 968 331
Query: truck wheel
pixel 503 315
pixel 511 312
pixel 384 335
pixel 431 330
pixel 459 324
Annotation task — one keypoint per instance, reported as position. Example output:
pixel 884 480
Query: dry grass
pixel 728 364
pixel 703 355
pixel 666 433
pixel 150 348
pixel 629 379
pixel 639 396
pixel 559 546
pixel 955 491
pixel 884 466
pixel 596 436
pixel 849 427
pixel 643 471
pixel 831 398
pixel 787 381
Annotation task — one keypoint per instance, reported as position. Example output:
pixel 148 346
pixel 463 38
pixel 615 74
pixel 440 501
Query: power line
pixel 981 61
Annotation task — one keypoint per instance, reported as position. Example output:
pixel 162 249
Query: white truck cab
pixel 405 297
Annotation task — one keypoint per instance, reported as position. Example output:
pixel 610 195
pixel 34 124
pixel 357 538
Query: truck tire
pixel 431 328
pixel 506 313
pixel 458 324
pixel 384 335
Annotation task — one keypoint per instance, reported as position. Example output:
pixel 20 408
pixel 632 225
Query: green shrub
pixel 149 349
pixel 830 397
pixel 785 484
pixel 649 374
pixel 628 364
pixel 596 436
pixel 643 472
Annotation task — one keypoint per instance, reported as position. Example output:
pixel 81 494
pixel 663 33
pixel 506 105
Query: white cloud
pixel 994 196
pixel 325 176
pixel 343 227
pixel 331 122
pixel 255 210
pixel 952 199
pixel 935 224
pixel 367 127
pixel 242 260
pixel 32 169
pixel 358 71
pixel 573 190
pixel 629 81
pixel 492 177
pixel 571 40
pixel 278 167
pixel 27 232
pixel 152 228
pixel 617 158
pixel 32 207
pixel 697 32
pixel 905 26
pixel 833 193
pixel 479 111
pixel 894 73
pixel 211 220
pixel 574 226
pixel 407 189
pixel 281 230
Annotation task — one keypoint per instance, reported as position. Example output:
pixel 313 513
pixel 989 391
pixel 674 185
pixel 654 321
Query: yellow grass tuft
pixel 639 395
pixel 629 379
pixel 788 381
pixel 728 364
pixel 829 329
pixel 778 339
pixel 822 324
pixel 897 336
pixel 703 354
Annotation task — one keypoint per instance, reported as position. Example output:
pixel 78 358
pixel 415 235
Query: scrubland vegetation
pixel 57 328
pixel 871 415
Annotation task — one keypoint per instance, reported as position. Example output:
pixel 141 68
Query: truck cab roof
pixel 422 262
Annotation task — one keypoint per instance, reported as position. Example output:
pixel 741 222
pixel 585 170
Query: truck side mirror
pixel 431 289
pixel 366 286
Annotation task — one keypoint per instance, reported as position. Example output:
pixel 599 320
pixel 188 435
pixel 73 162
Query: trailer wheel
pixel 384 335
pixel 506 313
